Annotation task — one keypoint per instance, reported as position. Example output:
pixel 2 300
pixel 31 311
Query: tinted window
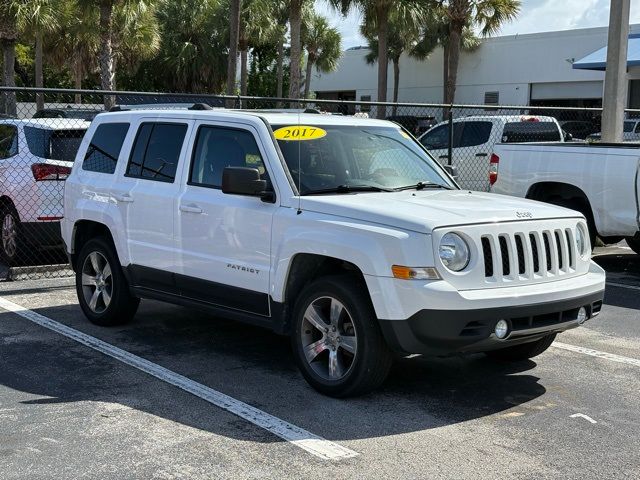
pixel 518 132
pixel 637 128
pixel 628 126
pixel 218 148
pixel 53 144
pixel 104 149
pixel 8 141
pixel 475 133
pixel 156 151
pixel 436 139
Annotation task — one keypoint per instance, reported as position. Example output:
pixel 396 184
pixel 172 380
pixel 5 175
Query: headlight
pixel 454 252
pixel 581 240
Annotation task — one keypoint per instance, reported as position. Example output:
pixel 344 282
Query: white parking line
pixel 299 437
pixel 597 353
pixel 623 285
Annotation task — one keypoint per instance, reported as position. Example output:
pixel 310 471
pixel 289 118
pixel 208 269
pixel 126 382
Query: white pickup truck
pixel 341 232
pixel 601 181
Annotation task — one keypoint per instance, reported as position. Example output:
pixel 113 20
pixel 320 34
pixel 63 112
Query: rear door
pixel 224 241
pixel 147 197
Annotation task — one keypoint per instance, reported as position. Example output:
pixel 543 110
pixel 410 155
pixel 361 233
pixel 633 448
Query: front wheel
pixel 524 351
pixel 103 292
pixel 634 243
pixel 336 339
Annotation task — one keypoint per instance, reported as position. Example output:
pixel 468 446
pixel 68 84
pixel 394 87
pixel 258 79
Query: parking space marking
pixel 293 434
pixel 623 285
pixel 597 353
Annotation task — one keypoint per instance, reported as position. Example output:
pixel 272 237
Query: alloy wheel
pixel 328 338
pixel 97 282
pixel 9 235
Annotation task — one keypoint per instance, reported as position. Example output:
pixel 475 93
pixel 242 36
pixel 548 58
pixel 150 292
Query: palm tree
pixel 258 25
pixel 322 43
pixel 8 37
pixel 486 16
pixel 295 55
pixel 35 18
pixel 234 34
pixel 402 37
pixel 434 33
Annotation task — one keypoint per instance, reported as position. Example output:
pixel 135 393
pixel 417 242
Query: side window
pixel 156 151
pixel 475 133
pixel 8 141
pixel 104 149
pixel 637 127
pixel 217 148
pixel 437 138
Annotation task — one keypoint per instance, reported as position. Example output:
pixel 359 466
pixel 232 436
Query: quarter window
pixel 156 151
pixel 104 149
pixel 8 141
pixel 218 148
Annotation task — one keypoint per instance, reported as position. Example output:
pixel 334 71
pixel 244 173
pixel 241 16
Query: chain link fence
pixel 41 131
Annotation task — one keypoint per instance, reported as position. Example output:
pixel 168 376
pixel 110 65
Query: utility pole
pixel 615 80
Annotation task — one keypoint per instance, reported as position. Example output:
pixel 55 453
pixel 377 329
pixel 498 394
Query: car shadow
pixel 622 269
pixel 253 365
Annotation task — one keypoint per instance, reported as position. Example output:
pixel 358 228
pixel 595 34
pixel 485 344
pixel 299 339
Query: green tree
pixel 485 16
pixel 377 14
pixel 35 19
pixel 8 37
pixel 322 43
pixel 234 35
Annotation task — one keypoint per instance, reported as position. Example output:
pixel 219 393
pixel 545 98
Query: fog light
pixel 502 329
pixel 582 315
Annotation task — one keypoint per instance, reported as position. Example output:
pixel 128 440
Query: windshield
pixel 348 158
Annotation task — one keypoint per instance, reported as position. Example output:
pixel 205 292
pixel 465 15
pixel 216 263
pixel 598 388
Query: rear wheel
pixel 524 351
pixel 634 243
pixel 11 236
pixel 103 291
pixel 336 339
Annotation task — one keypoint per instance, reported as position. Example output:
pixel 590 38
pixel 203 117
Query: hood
pixel 424 210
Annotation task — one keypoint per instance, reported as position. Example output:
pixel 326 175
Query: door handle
pixel 190 208
pixel 124 198
pixel 481 155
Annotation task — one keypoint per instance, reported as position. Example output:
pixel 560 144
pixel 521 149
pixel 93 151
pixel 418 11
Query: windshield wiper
pixel 424 185
pixel 349 189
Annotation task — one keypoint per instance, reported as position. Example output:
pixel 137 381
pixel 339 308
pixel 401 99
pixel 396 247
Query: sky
pixel 535 16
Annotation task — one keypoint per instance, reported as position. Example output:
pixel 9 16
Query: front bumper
pixel 443 332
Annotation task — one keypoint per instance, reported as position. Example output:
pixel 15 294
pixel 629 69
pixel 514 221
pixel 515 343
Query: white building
pixel 532 69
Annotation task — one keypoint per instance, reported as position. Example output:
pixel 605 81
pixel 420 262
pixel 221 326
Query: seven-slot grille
pixel 528 255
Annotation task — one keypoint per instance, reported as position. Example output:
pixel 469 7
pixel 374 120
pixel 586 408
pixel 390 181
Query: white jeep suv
pixel 338 231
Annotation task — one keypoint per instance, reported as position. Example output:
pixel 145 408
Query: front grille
pixel 527 255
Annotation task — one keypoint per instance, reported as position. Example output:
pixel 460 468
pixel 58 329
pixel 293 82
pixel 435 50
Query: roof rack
pixel 118 108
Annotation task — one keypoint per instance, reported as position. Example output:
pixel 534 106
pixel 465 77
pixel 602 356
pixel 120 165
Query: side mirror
pixel 567 136
pixel 243 181
pixel 451 170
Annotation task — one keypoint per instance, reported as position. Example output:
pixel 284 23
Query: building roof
pixel 598 59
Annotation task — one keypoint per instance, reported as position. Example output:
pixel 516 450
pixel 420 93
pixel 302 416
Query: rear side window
pixel 8 141
pixel 475 133
pixel 218 148
pixel 53 144
pixel 522 132
pixel 156 151
pixel 104 149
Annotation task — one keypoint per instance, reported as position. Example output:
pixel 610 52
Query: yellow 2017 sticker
pixel 297 133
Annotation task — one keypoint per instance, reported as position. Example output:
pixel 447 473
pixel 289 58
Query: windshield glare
pixel 358 156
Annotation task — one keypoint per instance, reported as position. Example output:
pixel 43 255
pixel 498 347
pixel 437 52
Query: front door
pixel 224 241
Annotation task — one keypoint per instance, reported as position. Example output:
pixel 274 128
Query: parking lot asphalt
pixel 68 410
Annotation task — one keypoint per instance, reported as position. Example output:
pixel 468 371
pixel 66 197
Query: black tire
pixel 582 207
pixel 369 365
pixel 524 351
pixel 122 306
pixel 634 243
pixel 11 243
